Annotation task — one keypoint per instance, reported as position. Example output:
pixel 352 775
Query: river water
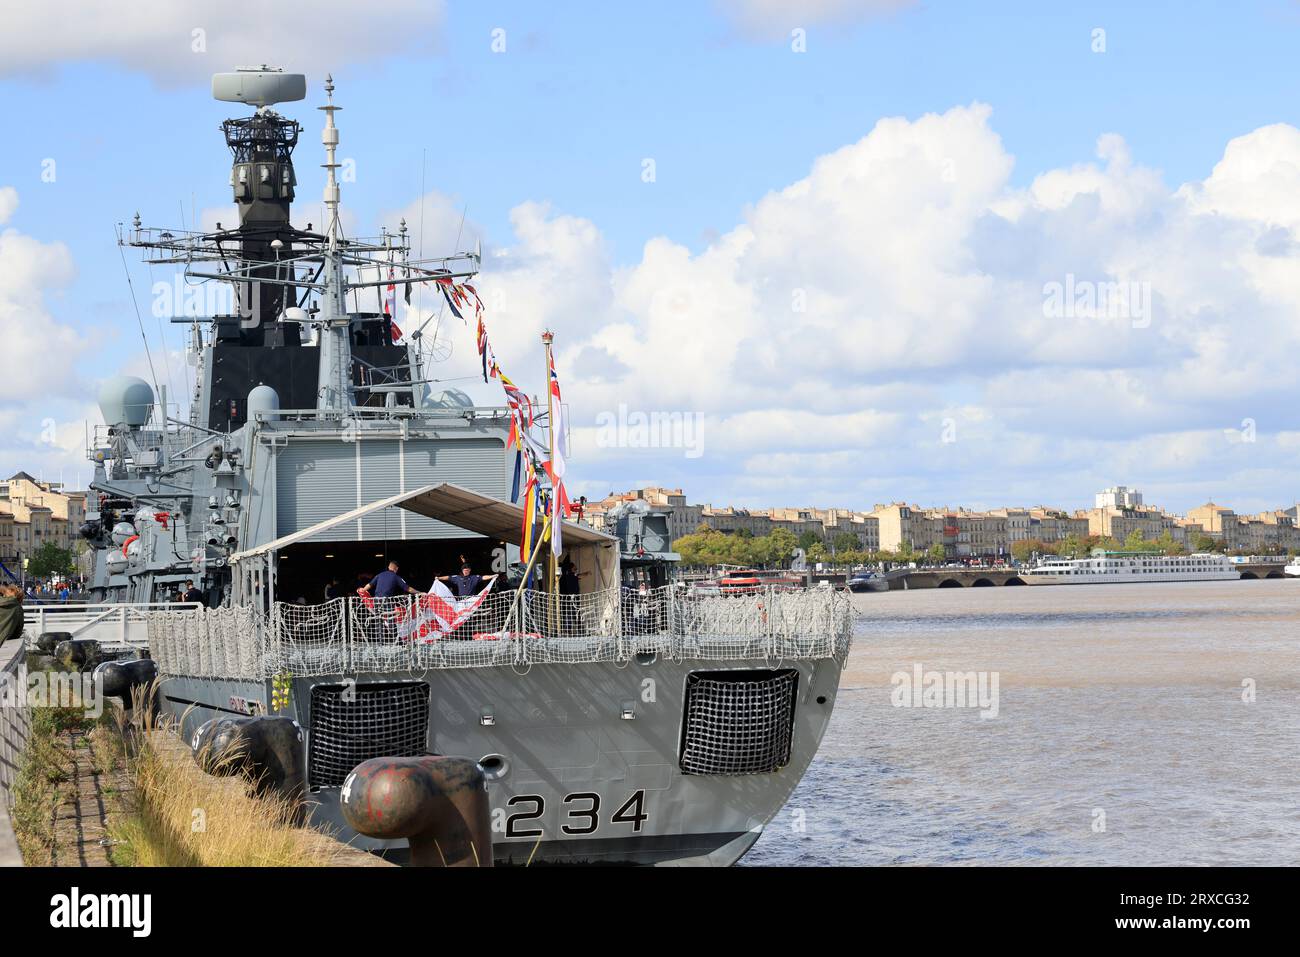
pixel 1123 733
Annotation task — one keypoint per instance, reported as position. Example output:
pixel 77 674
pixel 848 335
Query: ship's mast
pixel 262 179
pixel 334 389
pixel 287 279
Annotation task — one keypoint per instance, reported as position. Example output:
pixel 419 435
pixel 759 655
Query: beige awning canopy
pixel 471 511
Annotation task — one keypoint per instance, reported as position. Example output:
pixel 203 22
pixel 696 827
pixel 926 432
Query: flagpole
pixel 528 569
pixel 547 339
pixel 533 558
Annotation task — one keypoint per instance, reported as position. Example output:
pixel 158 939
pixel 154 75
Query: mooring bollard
pixel 120 679
pixel 78 654
pixel 439 804
pixel 264 749
pixel 47 641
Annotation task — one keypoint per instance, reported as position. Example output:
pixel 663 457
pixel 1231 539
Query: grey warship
pixel 630 723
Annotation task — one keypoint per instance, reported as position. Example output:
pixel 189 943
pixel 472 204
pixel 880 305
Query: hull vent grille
pixel 738 722
pixel 381 721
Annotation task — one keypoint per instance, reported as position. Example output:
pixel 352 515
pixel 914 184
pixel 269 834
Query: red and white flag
pixel 390 304
pixel 556 466
pixel 560 427
pixel 438 613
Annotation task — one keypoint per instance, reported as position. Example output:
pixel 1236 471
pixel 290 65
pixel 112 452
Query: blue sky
pixel 714 94
pixel 583 94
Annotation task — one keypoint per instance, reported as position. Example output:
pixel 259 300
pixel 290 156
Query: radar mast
pixel 334 388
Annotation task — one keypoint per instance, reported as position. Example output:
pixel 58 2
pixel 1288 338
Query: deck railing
pixel 115 626
pixel 416 634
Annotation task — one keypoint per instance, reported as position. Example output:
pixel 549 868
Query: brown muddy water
pixel 1145 724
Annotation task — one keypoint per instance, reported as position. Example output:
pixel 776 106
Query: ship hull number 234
pixel 580 813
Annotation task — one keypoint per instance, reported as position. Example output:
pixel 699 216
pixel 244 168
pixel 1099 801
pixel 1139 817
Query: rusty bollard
pixel 266 750
pixel 78 654
pixel 439 804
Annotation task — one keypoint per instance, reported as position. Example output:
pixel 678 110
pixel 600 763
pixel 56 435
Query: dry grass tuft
pixel 184 817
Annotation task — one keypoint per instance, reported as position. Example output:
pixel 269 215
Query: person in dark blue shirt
pixel 388 584
pixel 466 583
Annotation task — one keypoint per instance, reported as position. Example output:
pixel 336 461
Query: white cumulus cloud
pixel 902 286
pixel 30 272
pixel 900 322
pixel 40 397
pixel 185 42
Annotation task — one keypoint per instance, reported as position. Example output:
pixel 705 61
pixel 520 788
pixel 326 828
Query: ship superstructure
pixel 619 721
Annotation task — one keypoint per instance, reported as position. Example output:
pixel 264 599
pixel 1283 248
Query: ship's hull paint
pixel 561 731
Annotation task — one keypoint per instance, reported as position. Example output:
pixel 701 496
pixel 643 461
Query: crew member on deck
pixel 388 584
pixel 570 587
pixel 569 584
pixel 466 583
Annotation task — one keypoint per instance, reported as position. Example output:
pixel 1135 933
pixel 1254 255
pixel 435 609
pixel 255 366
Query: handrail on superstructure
pixel 116 625
pixel 369 413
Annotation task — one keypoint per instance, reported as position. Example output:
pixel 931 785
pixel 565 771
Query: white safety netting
pixel 210 643
pixel 422 633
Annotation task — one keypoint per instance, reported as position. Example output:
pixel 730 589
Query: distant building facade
pixel 901 525
pixel 1217 522
pixel 683 519
pixel 1118 497
pixel 34 512
pixel 965 533
pixel 1120 522
pixel 8 547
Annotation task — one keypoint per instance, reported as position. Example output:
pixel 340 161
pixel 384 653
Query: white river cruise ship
pixel 1119 567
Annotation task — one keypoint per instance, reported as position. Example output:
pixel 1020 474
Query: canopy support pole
pixel 528 570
